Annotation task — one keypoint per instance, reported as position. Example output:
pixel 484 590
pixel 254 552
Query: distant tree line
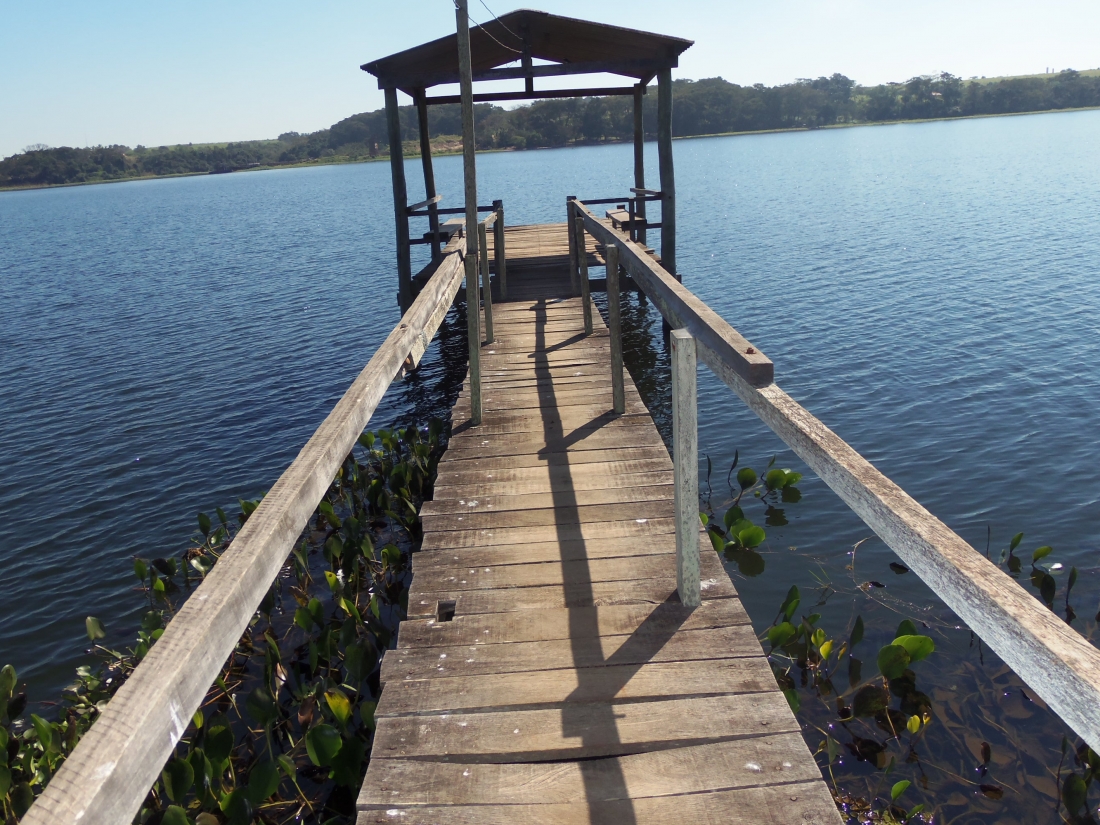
pixel 702 107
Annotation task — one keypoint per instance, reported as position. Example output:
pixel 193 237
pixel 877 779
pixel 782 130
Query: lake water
pixel 930 291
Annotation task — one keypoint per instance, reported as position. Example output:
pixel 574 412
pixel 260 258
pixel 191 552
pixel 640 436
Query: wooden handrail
pixel 1059 664
pixel 422 204
pixel 109 774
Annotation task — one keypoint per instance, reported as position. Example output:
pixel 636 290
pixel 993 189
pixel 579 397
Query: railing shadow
pixel 593 722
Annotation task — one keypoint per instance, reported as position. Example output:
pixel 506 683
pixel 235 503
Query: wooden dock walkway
pixel 548 672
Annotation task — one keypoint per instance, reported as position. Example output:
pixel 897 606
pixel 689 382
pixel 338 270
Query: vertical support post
pixel 582 258
pixel 614 323
pixel 685 459
pixel 429 173
pixel 486 282
pixel 632 233
pixel 569 214
pixel 498 248
pixel 668 181
pixel 400 202
pixel 639 156
pixel 473 305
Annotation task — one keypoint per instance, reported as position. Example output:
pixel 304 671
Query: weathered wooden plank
pixel 801 803
pixel 606 470
pixel 639 621
pixel 573 594
pixel 638 528
pixel 545 485
pixel 499 692
pixel 527 450
pixel 567 512
pixel 584 650
pixel 554 573
pixel 553 550
pixel 584 731
pixel 667 773
pixel 540 501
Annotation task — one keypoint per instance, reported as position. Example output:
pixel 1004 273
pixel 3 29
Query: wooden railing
pixel 110 772
pixel 1056 662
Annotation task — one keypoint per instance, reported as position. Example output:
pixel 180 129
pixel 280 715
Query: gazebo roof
pixel 575 46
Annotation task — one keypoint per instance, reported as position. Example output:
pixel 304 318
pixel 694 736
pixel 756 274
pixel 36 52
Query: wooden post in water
pixel 668 182
pixel 614 324
pixel 473 305
pixel 486 282
pixel 572 235
pixel 429 173
pixel 685 460
pixel 639 156
pixel 582 258
pixel 498 249
pixel 400 202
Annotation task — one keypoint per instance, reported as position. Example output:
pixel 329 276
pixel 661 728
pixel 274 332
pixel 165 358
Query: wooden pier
pixel 570 654
pixel 548 671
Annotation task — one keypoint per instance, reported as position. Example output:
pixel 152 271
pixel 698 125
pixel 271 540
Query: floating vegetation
pixel 283 735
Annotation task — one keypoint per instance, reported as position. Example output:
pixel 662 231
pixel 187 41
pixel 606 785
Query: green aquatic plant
pixel 284 733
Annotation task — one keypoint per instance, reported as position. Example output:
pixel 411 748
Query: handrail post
pixel 685 459
pixel 632 233
pixel 498 248
pixel 582 258
pixel 486 283
pixel 473 334
pixel 614 323
pixel 570 213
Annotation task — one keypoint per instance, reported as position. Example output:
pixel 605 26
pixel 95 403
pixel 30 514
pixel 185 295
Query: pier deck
pixel 548 672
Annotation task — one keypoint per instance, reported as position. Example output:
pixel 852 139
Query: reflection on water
pixel 930 291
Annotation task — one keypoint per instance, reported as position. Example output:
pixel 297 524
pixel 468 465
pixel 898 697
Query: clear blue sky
pixel 117 71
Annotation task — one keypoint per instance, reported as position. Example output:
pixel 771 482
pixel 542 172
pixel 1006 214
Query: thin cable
pixel 490 36
pixel 520 39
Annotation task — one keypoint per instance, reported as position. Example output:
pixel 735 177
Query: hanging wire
pixel 520 39
pixel 486 31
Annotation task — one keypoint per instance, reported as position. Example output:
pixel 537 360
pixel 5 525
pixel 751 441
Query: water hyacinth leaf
pixel 832 748
pixel 333 581
pixel 774 479
pixel 303 619
pixel 7 682
pixel 175 815
pixel 818 637
pixel 751 537
pixel 263 781
pixel 793 699
pixel 1074 793
pixel 906 628
pixel 898 789
pixel 791 478
pixel 704 519
pixel 857 633
pixel 44 731
pixel 219 739
pixel 348 763
pixel 5 781
pixel 237 808
pixel 339 704
pixel 391 555
pixel 733 515
pixel 141 569
pixel 204 524
pixel 1016 539
pixel 323 743
pixel 1072 581
pixel 1041 553
pixel 178 776
pixel 201 564
pixel 746 477
pixel 366 714
pixel 913 725
pixel 892 661
pixel 780 634
pixel 261 707
pixel 716 540
pixel 317 611
pixel 790 604
pixel 826 649
pixel 22 797
pixel 94 628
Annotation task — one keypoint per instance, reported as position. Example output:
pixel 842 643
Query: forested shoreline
pixel 702 107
